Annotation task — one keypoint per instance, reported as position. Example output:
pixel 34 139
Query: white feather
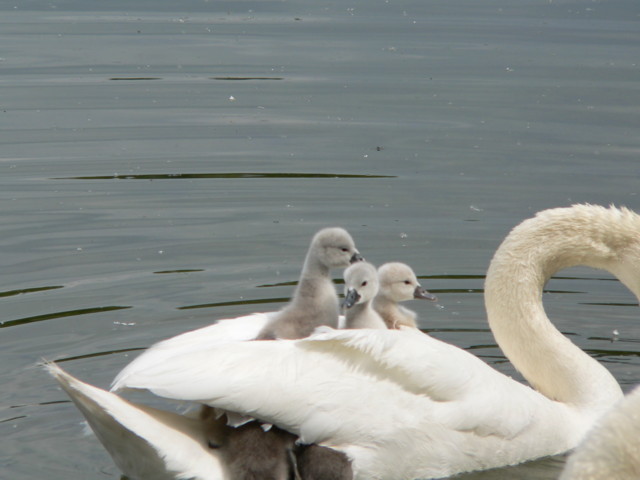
pixel 144 442
pixel 611 450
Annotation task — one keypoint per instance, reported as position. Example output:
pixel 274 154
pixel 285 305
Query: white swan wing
pixel 468 394
pixel 144 442
pixel 227 330
pixel 223 331
pixel 347 386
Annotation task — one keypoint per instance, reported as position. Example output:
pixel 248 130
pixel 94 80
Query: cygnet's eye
pixel 407 282
pixel 344 249
pixel 364 284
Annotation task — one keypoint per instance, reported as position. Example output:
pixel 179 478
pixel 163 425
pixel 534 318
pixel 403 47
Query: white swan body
pixel 398 283
pixel 360 288
pixel 441 410
pixel 611 450
pixel 402 405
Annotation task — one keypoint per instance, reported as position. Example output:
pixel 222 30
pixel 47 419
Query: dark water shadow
pixel 99 354
pixel 237 302
pixel 240 79
pixel 281 284
pixel 482 277
pixel 28 405
pixel 163 272
pixel 190 176
pixel 39 404
pixel 606 356
pixel 138 79
pixel 609 304
pixel 22 291
pixel 455 330
pixel 293 283
pixel 134 79
pixel 68 313
pixel 453 277
pixel 19 417
pixel 456 290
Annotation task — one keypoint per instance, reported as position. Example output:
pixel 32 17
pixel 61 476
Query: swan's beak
pixel 356 258
pixel 422 294
pixel 351 298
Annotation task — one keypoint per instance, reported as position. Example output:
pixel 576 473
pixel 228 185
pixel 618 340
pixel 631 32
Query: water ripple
pixel 68 313
pixel 237 302
pixel 11 293
pixel 99 354
pixel 183 176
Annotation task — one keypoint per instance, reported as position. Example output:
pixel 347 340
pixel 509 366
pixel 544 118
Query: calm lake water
pixel 158 156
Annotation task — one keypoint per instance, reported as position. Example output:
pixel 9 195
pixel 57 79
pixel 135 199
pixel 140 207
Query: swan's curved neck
pixel 531 253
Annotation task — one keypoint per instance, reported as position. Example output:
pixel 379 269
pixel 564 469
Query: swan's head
pixel 334 248
pixel 398 283
pixel 360 284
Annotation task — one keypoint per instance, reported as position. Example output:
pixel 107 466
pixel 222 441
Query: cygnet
pixel 315 301
pixel 360 288
pixel 398 283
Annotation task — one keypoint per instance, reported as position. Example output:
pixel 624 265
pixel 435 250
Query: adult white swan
pixel 402 405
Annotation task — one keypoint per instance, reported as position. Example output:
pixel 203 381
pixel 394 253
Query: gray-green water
pixel 156 156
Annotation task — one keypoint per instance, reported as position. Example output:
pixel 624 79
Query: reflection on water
pixel 97 354
pixel 28 290
pixel 50 316
pixel 136 79
pixel 189 176
pixel 185 270
pixel 213 78
pixel 247 78
pixel 259 301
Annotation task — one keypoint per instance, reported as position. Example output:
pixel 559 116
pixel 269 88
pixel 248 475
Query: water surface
pixel 163 166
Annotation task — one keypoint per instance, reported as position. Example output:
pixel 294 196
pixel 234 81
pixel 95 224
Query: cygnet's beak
pixel 356 258
pixel 351 298
pixel 422 294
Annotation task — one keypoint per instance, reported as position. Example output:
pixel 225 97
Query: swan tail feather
pixel 143 441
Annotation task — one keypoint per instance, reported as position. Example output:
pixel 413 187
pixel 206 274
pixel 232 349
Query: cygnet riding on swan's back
pixel 400 404
pixel 398 283
pixel 314 301
pixel 360 287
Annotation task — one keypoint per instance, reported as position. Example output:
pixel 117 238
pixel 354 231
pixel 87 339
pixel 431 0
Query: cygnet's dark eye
pixel 407 282
pixel 344 249
pixel 364 284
